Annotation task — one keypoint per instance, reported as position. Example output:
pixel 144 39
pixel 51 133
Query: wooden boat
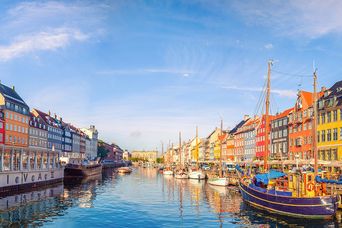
pixel 284 202
pixel 182 175
pixel 217 181
pixel 198 175
pixel 83 169
pixel 167 172
pixel 124 170
pixel 296 194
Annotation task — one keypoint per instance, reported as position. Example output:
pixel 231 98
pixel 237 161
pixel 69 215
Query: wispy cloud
pixel 268 46
pixel 30 27
pixel 43 41
pixel 184 73
pixel 295 17
pixel 280 92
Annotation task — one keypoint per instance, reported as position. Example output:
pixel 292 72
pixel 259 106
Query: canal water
pixel 143 198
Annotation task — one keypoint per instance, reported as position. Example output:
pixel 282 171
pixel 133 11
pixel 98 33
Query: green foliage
pixel 160 160
pixel 102 151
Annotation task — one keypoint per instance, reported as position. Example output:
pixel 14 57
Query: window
pixel 341 114
pixel 335 134
pixel 318 136
pixel 340 133
pixel 329 117
pixel 335 115
pixel 329 135
pixel 323 117
pixel 323 135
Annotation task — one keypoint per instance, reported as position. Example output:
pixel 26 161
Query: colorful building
pixel 214 145
pixel 16 118
pixel 150 156
pixel 2 127
pixel 280 135
pixel 250 130
pixel 300 126
pixel 261 139
pixel 239 140
pixel 329 124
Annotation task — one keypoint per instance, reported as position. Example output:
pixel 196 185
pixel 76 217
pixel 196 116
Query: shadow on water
pixel 153 200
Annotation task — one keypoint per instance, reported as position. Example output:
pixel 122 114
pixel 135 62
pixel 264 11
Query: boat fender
pixel 310 186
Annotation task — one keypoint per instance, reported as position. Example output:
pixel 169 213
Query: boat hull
pixel 181 176
pixel 218 181
pixel 82 171
pixel 168 172
pixel 197 175
pixel 301 207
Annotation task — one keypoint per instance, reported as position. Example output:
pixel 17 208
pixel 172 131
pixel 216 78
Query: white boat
pixel 218 181
pixel 198 175
pixel 168 172
pixel 124 170
pixel 182 176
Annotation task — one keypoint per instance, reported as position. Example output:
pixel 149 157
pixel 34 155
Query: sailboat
pixel 295 194
pixel 220 180
pixel 197 174
pixel 181 173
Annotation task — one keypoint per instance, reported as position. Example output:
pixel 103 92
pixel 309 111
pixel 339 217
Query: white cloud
pixel 29 27
pixel 268 46
pixel 295 17
pixel 43 41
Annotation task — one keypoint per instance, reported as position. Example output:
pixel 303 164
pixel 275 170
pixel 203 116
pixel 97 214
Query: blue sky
pixel 142 71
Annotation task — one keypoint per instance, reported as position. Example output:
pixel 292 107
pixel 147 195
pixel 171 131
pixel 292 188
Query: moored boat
pixel 84 169
pixel 124 170
pixel 218 181
pixel 167 172
pixel 198 175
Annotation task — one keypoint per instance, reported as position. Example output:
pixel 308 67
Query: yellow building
pixel 150 156
pixel 329 124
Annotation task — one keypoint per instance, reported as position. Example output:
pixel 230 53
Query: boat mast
pixel 197 154
pixel 180 150
pixel 221 171
pixel 268 88
pixel 314 127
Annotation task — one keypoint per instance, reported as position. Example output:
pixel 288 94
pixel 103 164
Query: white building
pixel 91 148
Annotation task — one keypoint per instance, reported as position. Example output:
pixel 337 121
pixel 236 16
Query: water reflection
pixel 143 198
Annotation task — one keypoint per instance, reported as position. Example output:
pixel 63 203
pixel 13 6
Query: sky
pixel 142 71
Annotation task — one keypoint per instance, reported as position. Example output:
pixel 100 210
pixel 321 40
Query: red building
pixel 260 137
pixel 300 126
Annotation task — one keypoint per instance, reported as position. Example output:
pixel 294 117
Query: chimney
pixel 60 119
pixel 13 88
pixel 245 117
pixel 49 113
pixel 55 116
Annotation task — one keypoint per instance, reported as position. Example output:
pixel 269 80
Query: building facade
pixel 250 131
pixel 92 133
pixel 150 156
pixel 300 127
pixel 329 124
pixel 280 135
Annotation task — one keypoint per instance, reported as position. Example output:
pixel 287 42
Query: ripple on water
pixel 142 199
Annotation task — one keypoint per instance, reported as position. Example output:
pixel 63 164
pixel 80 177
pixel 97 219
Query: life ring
pixel 310 186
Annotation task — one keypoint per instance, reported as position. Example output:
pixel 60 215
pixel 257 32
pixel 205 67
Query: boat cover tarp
pixel 238 168
pixel 265 177
pixel 323 180
pixel 271 191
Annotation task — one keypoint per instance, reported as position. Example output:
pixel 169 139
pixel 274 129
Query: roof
pixel 48 119
pixel 307 96
pixel 283 114
pixel 11 94
pixel 335 91
pixel 238 126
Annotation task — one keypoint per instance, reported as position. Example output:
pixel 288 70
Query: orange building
pixel 16 113
pixel 300 126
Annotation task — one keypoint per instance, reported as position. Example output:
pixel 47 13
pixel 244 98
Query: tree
pixel 102 152
pixel 160 160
